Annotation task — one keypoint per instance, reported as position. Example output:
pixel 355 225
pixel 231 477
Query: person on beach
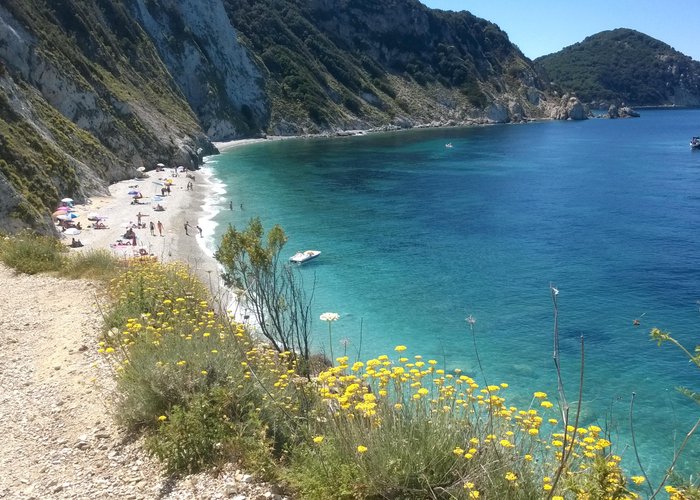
pixel 138 218
pixel 200 231
pixel 187 228
pixel 230 205
pixel 160 228
pixel 152 227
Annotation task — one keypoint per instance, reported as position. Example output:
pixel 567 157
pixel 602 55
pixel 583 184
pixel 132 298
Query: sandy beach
pixel 118 213
pixel 195 206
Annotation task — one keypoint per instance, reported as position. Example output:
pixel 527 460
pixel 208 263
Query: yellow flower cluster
pixel 369 392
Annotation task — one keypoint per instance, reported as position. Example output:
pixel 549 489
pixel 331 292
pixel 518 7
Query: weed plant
pixel 30 253
pixel 92 264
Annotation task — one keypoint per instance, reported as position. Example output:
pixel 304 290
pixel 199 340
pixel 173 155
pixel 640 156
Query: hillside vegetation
pixel 625 66
pixel 90 91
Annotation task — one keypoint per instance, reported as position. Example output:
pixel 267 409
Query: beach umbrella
pixel 64 217
pixel 62 209
pixel 160 165
pixel 58 213
pixel 141 169
pixel 67 200
pixel 72 231
pixel 133 192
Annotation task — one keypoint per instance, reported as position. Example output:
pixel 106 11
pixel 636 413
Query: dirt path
pixel 57 438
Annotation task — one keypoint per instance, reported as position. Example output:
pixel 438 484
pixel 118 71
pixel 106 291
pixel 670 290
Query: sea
pixel 601 215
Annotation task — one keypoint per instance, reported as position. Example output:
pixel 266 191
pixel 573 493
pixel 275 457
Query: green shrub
pixel 201 433
pixel 92 264
pixel 30 253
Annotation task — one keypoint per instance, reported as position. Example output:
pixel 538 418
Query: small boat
pixel 306 255
pixel 448 145
pixel 695 143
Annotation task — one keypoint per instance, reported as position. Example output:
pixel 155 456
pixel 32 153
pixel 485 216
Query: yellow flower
pixel 400 348
pixel 511 476
pixel 528 457
pixel 474 494
pixel 458 451
pixel 162 418
pixel 533 432
pixel 547 487
pixel 638 479
pixel 361 449
pixel 318 439
pixel 546 404
pixel 540 395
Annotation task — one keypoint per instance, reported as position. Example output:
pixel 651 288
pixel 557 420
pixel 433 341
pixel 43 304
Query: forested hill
pixel 625 66
pixel 363 63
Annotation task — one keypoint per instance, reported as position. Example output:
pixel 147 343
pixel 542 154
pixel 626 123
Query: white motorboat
pixel 695 143
pixel 306 255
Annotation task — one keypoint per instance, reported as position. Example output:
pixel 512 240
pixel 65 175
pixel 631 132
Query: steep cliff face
pixel 217 75
pixel 84 101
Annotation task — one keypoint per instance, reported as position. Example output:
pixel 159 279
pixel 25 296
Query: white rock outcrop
pixel 214 71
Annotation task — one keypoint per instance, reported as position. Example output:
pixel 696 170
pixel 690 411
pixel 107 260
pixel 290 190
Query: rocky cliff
pixel 91 91
pixel 84 100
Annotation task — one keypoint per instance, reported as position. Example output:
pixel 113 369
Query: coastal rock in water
pixel 570 108
pixel 627 112
pixel 621 112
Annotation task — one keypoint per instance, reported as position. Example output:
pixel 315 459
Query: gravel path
pixel 57 438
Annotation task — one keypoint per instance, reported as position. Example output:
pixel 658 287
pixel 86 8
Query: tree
pixel 271 287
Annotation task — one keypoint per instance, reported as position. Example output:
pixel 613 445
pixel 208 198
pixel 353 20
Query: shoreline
pixel 198 206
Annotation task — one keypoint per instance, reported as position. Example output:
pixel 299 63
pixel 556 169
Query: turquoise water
pixel 416 236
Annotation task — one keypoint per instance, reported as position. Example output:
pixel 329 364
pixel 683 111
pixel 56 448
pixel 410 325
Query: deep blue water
pixel 416 236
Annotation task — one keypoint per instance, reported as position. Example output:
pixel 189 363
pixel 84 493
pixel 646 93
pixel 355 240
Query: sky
pixel 540 27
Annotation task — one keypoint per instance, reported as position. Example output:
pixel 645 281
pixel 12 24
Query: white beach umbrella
pixel 72 231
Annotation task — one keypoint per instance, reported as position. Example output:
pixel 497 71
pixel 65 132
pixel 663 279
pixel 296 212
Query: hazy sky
pixel 541 27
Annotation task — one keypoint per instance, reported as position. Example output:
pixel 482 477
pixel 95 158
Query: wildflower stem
pixel 567 453
pixel 634 444
pixel 330 342
pixel 675 458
